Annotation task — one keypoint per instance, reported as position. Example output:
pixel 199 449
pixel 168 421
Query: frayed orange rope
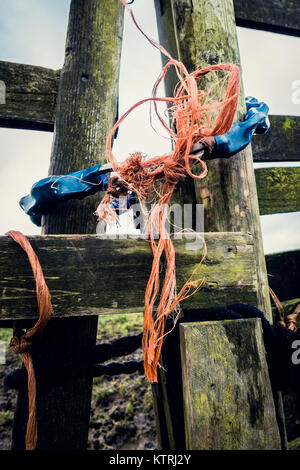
pixel 195 116
pixel 21 342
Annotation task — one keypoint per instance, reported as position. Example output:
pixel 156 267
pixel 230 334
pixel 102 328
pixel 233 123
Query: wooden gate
pixel 214 406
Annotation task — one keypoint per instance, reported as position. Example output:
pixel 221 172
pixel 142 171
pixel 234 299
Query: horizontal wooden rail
pixel 30 96
pixel 280 16
pixel 89 274
pixel 278 190
pixel 281 143
pixel 284 274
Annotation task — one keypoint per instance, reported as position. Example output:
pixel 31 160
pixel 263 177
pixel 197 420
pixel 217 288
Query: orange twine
pixel 21 342
pixel 195 116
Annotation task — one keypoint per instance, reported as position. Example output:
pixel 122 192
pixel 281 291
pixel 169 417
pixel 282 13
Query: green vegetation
pixel 119 325
pixel 5 335
pixel 122 413
pixel 6 418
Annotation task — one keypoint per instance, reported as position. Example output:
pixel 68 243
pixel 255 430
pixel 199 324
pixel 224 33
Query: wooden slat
pixel 281 143
pixel 30 104
pixel 278 190
pixel 284 274
pixel 30 96
pixel 281 16
pixel 95 275
pixel 227 392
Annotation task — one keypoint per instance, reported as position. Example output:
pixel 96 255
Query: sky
pixel 33 32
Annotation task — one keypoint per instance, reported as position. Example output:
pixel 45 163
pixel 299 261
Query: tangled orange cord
pixel 195 116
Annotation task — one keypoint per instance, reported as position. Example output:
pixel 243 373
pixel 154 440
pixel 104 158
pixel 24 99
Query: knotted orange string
pixel 195 116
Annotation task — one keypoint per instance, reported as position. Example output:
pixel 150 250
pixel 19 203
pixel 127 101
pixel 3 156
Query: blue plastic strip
pixel 240 135
pixel 46 193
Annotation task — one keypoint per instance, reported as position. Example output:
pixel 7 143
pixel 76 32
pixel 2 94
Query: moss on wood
pixel 205 33
pixel 278 190
pixel 88 275
pixel 228 399
pixel 30 96
pixel 86 105
pixel 281 143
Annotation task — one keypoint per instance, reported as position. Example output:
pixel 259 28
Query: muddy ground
pixel 121 413
pixel 121 410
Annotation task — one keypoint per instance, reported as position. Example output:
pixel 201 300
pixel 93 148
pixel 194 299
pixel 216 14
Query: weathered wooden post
pixel 199 33
pixel 228 402
pixel 86 110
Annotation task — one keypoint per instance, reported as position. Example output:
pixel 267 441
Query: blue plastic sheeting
pixel 46 193
pixel 240 135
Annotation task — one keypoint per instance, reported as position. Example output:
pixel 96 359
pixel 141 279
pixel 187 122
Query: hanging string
pixel 196 116
pixel 21 342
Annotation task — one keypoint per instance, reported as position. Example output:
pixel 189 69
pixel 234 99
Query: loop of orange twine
pixel 195 117
pixel 21 341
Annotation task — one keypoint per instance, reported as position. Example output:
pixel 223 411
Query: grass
pixel 5 335
pixel 119 325
pixel 116 400
pixel 109 327
pixel 6 418
pixel 128 394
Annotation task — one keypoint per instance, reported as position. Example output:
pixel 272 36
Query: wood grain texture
pixel 199 33
pixel 31 94
pixel 278 190
pixel 86 105
pixel 281 143
pixel 227 392
pixel 92 275
pixel 280 16
pixel 205 33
